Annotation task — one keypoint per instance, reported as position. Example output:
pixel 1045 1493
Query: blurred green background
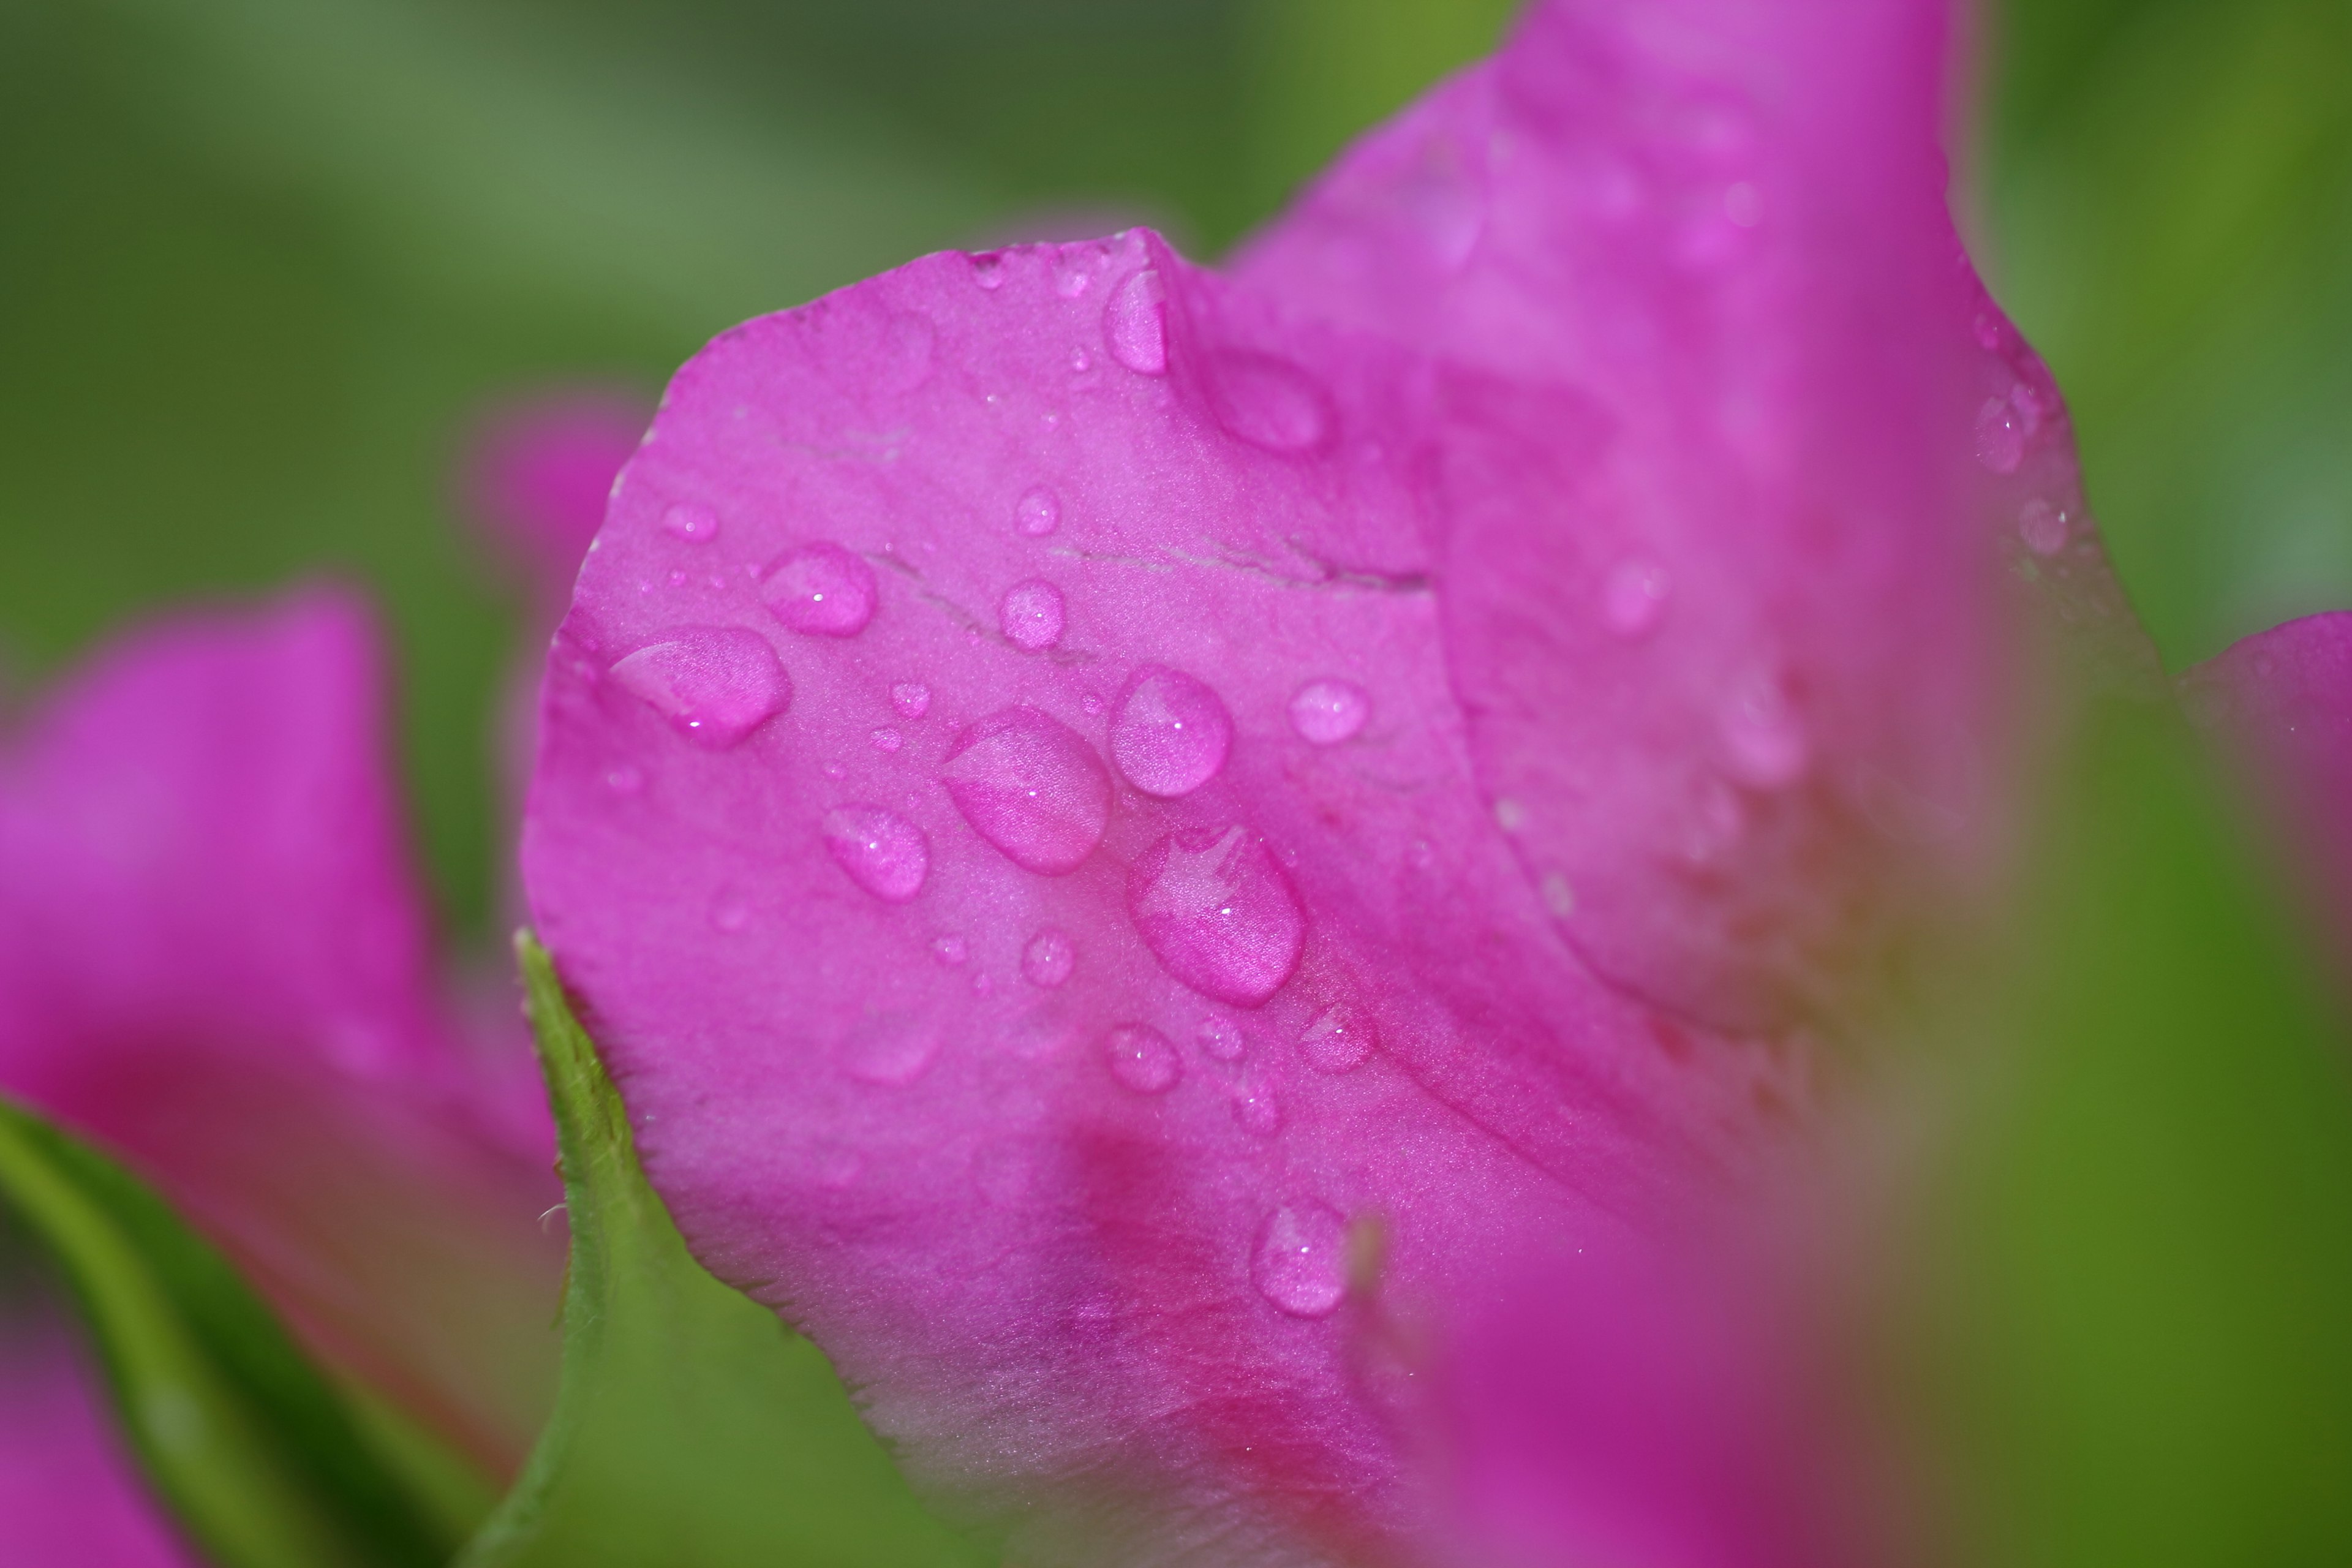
pixel 262 260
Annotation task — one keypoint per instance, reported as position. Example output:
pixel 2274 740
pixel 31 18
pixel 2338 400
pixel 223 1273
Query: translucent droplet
pixel 892 1050
pixel 626 778
pixel 1030 615
pixel 1299 1264
pixel 2043 527
pixel 1762 738
pixel 1510 815
pixel 1031 786
pixel 1218 913
pixel 950 949
pixel 1256 1110
pixel 2000 437
pixel 1338 1040
pixel 1634 598
pixel 1081 362
pixel 1270 403
pixel 821 588
pixel 1325 713
pixel 714 684
pixel 1038 513
pixel 882 851
pixel 1170 733
pixel 886 739
pixel 1135 324
pixel 1048 959
pixel 1221 1038
pixel 988 271
pixel 912 698
pixel 1071 276
pixel 1142 1058
pixel 692 522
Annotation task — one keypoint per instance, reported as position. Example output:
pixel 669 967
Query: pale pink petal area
pixel 70 1494
pixel 539 472
pixel 213 960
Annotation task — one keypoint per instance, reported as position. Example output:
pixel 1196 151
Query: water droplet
pixel 1298 1262
pixel 2043 527
pixel 886 739
pixel 2000 437
pixel 1135 324
pixel 1081 362
pixel 1071 276
pixel 1092 703
pixel 730 910
pixel 892 1050
pixel 1559 896
pixel 1256 1110
pixel 1142 1058
pixel 1170 733
pixel 677 578
pixel 1031 786
pixel 1038 513
pixel 626 778
pixel 1338 1040
pixel 1270 403
pixel 1048 959
pixel 882 851
pixel 1634 598
pixel 912 698
pixel 1510 815
pixel 1325 713
pixel 949 949
pixel 988 271
pixel 1221 1038
pixel 1762 739
pixel 714 684
pixel 823 589
pixel 1218 913
pixel 692 522
pixel 1030 614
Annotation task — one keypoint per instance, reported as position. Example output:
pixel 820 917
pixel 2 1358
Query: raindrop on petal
pixel 2043 527
pixel 1135 324
pixel 1038 512
pixel 1299 1263
pixel 1030 615
pixel 692 522
pixel 1221 1038
pixel 1218 913
pixel 912 698
pixel 1049 957
pixel 882 851
pixel 821 589
pixel 1142 1058
pixel 1031 786
pixel 1170 733
pixel 714 684
pixel 2000 437
pixel 1338 1040
pixel 1325 713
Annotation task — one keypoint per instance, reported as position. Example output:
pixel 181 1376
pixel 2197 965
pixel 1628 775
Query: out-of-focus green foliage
pixel 692 1429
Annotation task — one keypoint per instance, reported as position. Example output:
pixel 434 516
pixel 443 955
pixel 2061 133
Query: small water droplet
pixel 1031 786
pixel 1135 324
pixel 882 851
pixel 1510 815
pixel 692 522
pixel 1071 276
pixel 1081 362
pixel 821 589
pixel 2043 527
pixel 1635 597
pixel 677 577
pixel 1048 959
pixel 1325 713
pixel 1030 614
pixel 714 684
pixel 1218 913
pixel 1338 1040
pixel 1038 513
pixel 988 271
pixel 1763 739
pixel 912 698
pixel 949 949
pixel 2000 437
pixel 1256 1110
pixel 1222 1039
pixel 1170 733
pixel 1093 704
pixel 1142 1058
pixel 1559 896
pixel 1270 403
pixel 891 1049
pixel 1299 1263
pixel 626 778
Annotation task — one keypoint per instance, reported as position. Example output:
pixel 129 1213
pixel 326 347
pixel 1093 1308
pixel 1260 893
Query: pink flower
pixel 68 1491
pixel 1172 864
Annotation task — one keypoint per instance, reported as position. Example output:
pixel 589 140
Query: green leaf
pixel 691 1428
pixel 265 1463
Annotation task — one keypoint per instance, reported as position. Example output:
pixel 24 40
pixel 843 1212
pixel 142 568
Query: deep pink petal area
pixel 1732 425
pixel 212 958
pixel 541 471
pixel 2284 699
pixel 1039 1024
pixel 70 1492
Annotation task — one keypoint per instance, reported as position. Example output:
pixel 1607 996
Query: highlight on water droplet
pixel 1218 913
pixel 1763 739
pixel 1048 959
pixel 692 522
pixel 1221 1038
pixel 1634 598
pixel 2000 436
pixel 1031 786
pixel 1325 713
pixel 950 949
pixel 821 589
pixel 1038 512
pixel 1169 732
pixel 1142 1058
pixel 1338 1040
pixel 714 684
pixel 1298 1264
pixel 881 851
pixel 1256 1110
pixel 1030 614
pixel 2043 527
pixel 1135 324
pixel 912 698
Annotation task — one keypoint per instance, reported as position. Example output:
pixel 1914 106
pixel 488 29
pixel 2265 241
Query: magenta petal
pixel 70 1490
pixel 540 473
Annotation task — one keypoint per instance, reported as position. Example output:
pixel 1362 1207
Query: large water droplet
pixel 692 522
pixel 1325 713
pixel 821 588
pixel 1299 1262
pixel 1048 959
pixel 714 684
pixel 1338 1040
pixel 1142 1058
pixel 2043 527
pixel 1270 403
pixel 2000 437
pixel 882 851
pixel 1218 913
pixel 1763 738
pixel 892 1050
pixel 1038 512
pixel 1634 598
pixel 912 698
pixel 1030 615
pixel 1031 785
pixel 1135 324
pixel 1170 733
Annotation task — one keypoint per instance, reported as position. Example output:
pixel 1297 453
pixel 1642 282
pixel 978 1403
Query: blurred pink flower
pixel 1176 864
pixel 68 1494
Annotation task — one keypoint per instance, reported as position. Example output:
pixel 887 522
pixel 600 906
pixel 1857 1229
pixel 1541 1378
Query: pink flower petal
pixel 70 1492
pixel 541 472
